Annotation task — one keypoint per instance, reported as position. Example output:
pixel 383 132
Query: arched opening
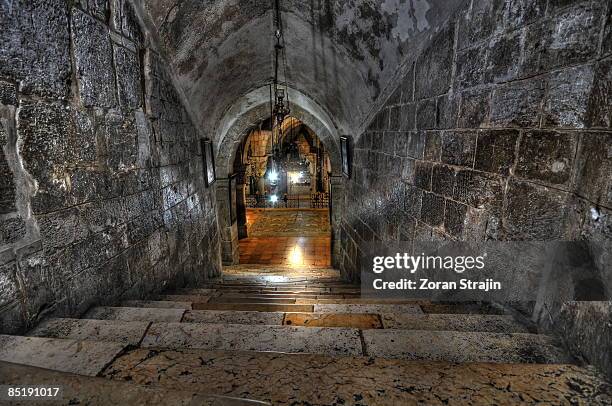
pixel 310 177
pixel 279 196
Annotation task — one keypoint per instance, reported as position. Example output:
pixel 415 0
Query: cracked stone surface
pixel 129 333
pixel 135 314
pixel 322 380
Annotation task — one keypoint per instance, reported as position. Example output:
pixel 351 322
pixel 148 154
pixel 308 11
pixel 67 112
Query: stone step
pixel 81 357
pixel 256 307
pixel 453 322
pixel 282 295
pixel 233 317
pixel 125 332
pixel 453 346
pixel 251 299
pixel 322 380
pixel 86 390
pixel 238 337
pixel 367 308
pixel 347 320
pixel 158 304
pixel 184 298
pixel 135 314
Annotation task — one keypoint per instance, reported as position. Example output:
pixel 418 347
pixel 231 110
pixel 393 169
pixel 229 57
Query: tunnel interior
pixel 475 120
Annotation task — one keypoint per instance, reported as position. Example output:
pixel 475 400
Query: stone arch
pixel 247 112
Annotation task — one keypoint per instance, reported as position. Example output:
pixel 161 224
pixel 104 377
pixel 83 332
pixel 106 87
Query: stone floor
pixel 288 336
pixel 287 237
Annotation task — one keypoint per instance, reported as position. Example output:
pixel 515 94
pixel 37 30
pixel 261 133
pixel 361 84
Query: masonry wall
pixel 500 129
pixel 101 187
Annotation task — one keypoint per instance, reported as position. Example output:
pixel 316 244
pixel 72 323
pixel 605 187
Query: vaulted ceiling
pixel 341 54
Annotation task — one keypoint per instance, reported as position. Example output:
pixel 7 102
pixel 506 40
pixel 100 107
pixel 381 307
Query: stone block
pixel 8 94
pixel 98 8
pixel 432 210
pixel 12 230
pixel 416 144
pixel 495 151
pixel 389 142
pixel 607 38
pixel 569 37
pixel 43 130
pixel 35 46
pixel 408 117
pixel 395 118
pixel 503 63
pixel 93 56
pixel 480 22
pixel 518 104
pixel 407 86
pixel 470 67
pixel 594 168
pixel 599 112
pixel 124 21
pixel 519 13
pixel 401 143
pixel 479 190
pixel 447 111
pixel 567 99
pixel 443 180
pixel 433 146
pixel 458 148
pixel 422 175
pixel 534 212
pixel 474 111
pixel 547 156
pixel 129 82
pixel 434 66
pixel 412 201
pixel 455 218
pixel 426 114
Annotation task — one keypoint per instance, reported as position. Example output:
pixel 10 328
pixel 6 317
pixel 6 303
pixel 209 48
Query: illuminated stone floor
pixel 288 237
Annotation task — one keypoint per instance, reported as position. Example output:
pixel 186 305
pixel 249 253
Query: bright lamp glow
pixel 273 176
pixel 274 198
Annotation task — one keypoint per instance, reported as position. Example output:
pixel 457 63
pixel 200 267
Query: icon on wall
pixel 209 162
pixel 345 151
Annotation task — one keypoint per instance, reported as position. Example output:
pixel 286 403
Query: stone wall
pixel 501 129
pixel 101 187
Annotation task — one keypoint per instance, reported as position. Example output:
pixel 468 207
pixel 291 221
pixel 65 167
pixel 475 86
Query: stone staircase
pixel 303 338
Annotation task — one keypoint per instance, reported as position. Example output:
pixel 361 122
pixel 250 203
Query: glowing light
pixel 296 257
pixel 273 176
pixel 295 177
pixel 274 198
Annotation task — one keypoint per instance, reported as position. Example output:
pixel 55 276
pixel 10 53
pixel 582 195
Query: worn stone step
pixel 256 307
pixel 283 295
pixel 77 356
pixel 251 299
pixel 184 298
pixel 453 322
pixel 157 304
pixel 87 390
pixel 348 320
pixel 367 308
pixel 322 380
pixel 233 317
pixel 238 337
pixel 135 314
pixel 125 332
pixel 453 346
pixel 356 300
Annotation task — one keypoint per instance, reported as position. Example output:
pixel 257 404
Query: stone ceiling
pixel 341 54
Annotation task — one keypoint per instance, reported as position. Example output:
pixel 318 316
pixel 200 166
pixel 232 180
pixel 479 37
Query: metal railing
pixel 312 201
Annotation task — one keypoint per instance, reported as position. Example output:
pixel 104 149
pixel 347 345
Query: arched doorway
pixel 247 114
pixel 281 202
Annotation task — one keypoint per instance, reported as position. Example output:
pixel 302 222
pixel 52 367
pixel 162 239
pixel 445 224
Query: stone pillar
pixel 228 231
pixel 241 192
pixel 336 211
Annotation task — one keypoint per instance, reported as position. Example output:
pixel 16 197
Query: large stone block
pixel 443 180
pixel 519 13
pixel 7 185
pixel 35 46
pixel 547 156
pixel 475 107
pixel 416 144
pixel 93 56
pixel 129 82
pixel 12 229
pixel 407 86
pixel 433 146
pixel 599 110
pixel 471 67
pixel 432 210
pixel 570 37
pixel 8 94
pixel 607 38
pixel 458 148
pixel 455 218
pixel 518 104
pixel 43 130
pixel 447 111
pixel 594 168
pixel 422 175
pixel 503 62
pixel 426 114
pixel 479 190
pixel 495 151
pixel 535 212
pixel 408 117
pixel 567 99
pixel 434 66
pixel 482 20
pixel 124 21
